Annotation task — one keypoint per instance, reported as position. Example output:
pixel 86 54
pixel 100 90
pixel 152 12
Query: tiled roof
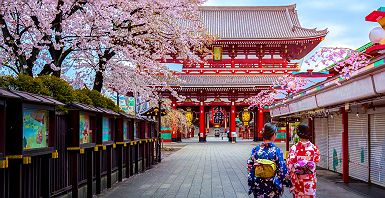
pixel 227 80
pixel 255 22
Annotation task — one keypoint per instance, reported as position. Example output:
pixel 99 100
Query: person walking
pixel 301 161
pixel 267 169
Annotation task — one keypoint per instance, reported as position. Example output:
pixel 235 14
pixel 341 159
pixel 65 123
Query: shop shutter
pixel 377 146
pixel 358 146
pixel 321 140
pixel 335 143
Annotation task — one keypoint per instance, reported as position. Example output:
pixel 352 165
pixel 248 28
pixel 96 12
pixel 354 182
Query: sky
pixel 345 19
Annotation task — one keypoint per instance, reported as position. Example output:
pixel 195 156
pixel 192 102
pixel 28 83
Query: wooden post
pixel 14 146
pixel 97 154
pixel 45 187
pixel 90 172
pixel 128 161
pixel 136 151
pixel 109 166
pixel 119 156
pixel 143 152
pixel 74 176
pixel 345 146
pixel 98 176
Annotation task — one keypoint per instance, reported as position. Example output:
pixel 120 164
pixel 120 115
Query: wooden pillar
pixel 45 187
pixel 143 153
pixel 232 119
pixel 260 123
pixel 119 158
pixel 74 173
pixel 90 172
pixel 98 177
pixel 128 160
pixel 202 131
pixel 136 151
pixel 109 166
pixel 345 146
pixel 287 134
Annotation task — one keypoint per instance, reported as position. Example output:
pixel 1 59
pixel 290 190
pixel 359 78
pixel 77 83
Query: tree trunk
pixel 98 82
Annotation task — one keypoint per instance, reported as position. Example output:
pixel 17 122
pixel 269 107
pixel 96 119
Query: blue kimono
pixel 267 187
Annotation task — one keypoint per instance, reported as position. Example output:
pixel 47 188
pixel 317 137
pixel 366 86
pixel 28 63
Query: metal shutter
pixel 358 146
pixel 377 146
pixel 321 140
pixel 335 143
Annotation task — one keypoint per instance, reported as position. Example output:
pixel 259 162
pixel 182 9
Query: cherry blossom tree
pixel 343 60
pixel 290 84
pixel 142 36
pixel 262 99
pixel 37 36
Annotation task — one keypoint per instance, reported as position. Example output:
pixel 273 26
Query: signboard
pixel 127 104
pixel 217 53
pixel 35 128
pixel 85 133
pixel 106 130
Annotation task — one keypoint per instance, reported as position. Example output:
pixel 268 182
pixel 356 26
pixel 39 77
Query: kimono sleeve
pixel 317 154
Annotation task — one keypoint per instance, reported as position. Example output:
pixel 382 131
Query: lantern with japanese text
pixel 217 116
pixel 246 116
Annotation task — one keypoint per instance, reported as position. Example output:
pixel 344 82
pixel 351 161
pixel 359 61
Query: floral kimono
pixel 304 185
pixel 267 187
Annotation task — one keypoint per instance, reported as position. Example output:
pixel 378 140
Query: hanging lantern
pixel 189 116
pixel 217 116
pixel 377 34
pixel 246 116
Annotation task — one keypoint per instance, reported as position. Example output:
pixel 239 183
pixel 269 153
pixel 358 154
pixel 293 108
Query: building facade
pixel 254 46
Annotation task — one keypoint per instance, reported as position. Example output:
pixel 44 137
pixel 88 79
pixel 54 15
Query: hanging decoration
pixel 189 116
pixel 218 115
pixel 246 116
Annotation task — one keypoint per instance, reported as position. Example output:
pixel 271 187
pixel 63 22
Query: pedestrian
pixel 267 169
pixel 302 160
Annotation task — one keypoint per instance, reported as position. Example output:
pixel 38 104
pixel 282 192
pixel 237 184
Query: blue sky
pixel 345 19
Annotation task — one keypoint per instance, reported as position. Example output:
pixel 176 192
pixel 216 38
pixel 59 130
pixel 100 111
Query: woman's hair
pixel 303 131
pixel 268 131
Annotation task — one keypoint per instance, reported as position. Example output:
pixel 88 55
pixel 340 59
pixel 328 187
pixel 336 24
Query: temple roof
pixel 227 80
pixel 256 23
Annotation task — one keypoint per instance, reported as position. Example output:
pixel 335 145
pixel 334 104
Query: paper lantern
pixel 377 34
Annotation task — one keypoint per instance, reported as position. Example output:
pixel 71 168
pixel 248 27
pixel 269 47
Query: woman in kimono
pixel 301 162
pixel 267 187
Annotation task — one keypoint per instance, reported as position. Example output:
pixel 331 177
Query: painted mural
pixel 85 133
pixel 35 128
pixel 106 130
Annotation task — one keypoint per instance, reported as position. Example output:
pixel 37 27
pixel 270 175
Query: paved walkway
pixel 213 169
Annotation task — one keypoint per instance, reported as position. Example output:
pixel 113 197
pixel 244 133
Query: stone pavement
pixel 212 169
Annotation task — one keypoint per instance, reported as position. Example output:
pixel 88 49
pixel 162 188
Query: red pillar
pixel 174 134
pixel 345 147
pixel 202 132
pixel 232 118
pixel 260 123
